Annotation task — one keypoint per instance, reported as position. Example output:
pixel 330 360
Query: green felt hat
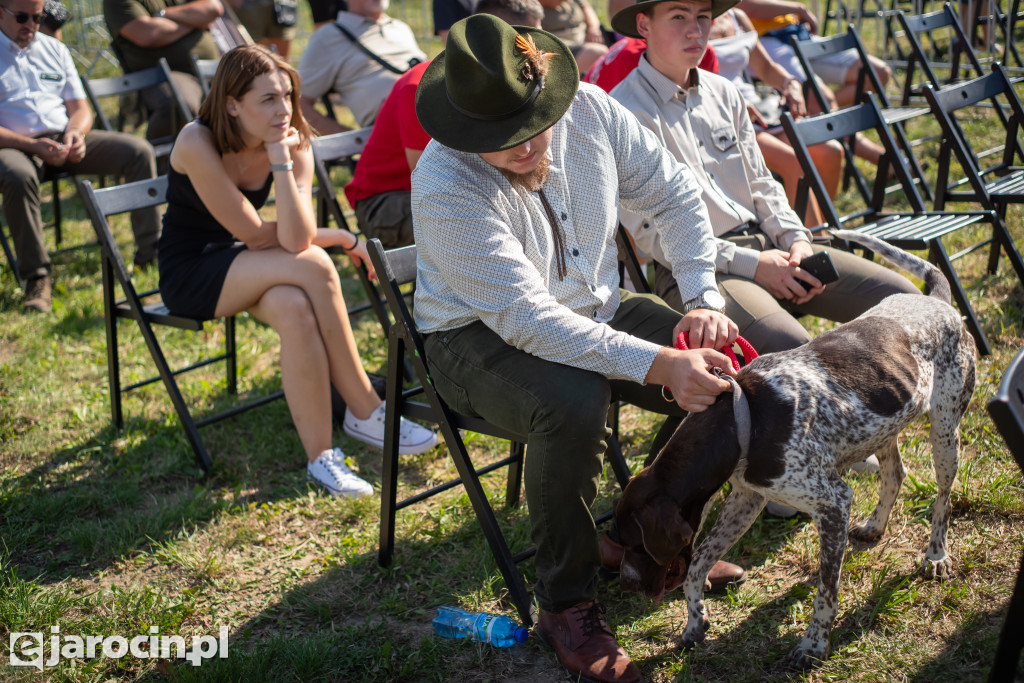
pixel 624 21
pixel 480 94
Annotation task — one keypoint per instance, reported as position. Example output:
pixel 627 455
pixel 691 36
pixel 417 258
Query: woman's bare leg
pixel 781 159
pixel 304 365
pixel 253 273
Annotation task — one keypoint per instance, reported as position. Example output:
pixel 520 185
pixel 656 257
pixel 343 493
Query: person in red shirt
pixel 623 56
pixel 379 190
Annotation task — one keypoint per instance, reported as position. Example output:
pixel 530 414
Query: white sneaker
pixel 330 471
pixel 412 438
pixel 866 466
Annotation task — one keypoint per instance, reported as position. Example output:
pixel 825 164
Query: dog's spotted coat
pixel 814 410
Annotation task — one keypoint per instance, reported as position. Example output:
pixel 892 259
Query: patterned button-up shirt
pixel 486 250
pixel 706 126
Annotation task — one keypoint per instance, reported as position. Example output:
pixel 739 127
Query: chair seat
pixel 913 231
pixel 159 314
pixel 896 114
pixel 1009 187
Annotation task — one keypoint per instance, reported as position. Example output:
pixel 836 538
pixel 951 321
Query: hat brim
pixel 455 129
pixel 624 21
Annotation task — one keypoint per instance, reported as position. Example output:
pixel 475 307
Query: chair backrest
pixel 103 203
pixel 135 82
pixel 630 262
pixel 843 125
pixel 928 35
pixel 1007 408
pixel 331 149
pixel 205 70
pixel 997 92
pixel 809 50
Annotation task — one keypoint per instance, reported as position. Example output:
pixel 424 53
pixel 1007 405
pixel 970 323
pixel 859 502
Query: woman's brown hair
pixel 238 68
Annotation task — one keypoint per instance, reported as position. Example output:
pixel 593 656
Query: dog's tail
pixel 935 282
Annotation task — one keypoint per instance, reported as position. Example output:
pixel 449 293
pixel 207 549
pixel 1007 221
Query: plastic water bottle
pixel 498 630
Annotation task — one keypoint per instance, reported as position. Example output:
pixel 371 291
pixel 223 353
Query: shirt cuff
pixel 744 262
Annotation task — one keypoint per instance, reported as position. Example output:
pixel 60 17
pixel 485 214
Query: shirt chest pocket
pixel 50 82
pixel 723 139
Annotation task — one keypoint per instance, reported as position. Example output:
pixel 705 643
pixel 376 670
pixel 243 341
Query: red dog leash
pixel 749 354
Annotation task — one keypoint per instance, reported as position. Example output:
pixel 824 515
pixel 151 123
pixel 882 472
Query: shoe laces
pixel 335 464
pixel 591 618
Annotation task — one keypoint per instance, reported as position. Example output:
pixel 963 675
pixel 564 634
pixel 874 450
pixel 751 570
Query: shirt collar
pixel 664 86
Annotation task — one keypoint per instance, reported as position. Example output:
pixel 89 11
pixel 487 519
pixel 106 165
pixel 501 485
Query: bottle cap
pixel 521 634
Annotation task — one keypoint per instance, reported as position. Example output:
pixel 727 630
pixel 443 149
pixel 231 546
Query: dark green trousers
pixel 561 412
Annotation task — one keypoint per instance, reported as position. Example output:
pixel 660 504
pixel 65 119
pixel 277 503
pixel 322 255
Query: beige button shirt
pixel 706 126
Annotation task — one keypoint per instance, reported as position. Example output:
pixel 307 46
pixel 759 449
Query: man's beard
pixel 531 181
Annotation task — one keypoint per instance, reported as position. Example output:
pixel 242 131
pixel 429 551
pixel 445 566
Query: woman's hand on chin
pixel 279 150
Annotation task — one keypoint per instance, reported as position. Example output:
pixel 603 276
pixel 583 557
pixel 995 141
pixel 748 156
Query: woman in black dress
pixel 219 257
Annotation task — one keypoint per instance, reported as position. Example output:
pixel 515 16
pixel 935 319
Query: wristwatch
pixel 161 14
pixel 709 299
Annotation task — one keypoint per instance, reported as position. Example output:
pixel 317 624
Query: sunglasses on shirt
pixel 23 17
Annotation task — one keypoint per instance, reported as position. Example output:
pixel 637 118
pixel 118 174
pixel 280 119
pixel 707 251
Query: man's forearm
pixel 198 14
pixel 323 125
pixel 11 140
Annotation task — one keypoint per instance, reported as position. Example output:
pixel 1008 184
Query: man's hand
pixel 688 374
pixel 793 94
pixel 50 151
pixel 780 274
pixel 74 142
pixel 707 329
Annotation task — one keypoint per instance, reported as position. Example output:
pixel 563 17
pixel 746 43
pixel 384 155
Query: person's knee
pixel 777 331
pixel 289 311
pixel 18 181
pixel 318 264
pixel 576 409
pixel 140 158
pixel 883 70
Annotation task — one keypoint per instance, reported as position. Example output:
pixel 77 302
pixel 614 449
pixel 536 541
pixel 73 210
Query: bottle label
pixel 488 627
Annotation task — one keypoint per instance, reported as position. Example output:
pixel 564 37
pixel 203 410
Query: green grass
pixel 114 532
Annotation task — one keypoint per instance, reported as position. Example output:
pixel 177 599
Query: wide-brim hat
pixel 480 94
pixel 624 21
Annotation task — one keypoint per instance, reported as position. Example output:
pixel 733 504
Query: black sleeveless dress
pixel 195 250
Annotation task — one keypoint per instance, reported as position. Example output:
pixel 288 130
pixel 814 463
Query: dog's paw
pixel 865 532
pixel 802 658
pixel 937 569
pixel 694 633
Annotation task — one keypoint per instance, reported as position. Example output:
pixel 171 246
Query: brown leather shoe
pixel 585 645
pixel 721 575
pixel 38 295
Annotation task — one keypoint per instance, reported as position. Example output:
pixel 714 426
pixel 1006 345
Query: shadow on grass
pixel 115 493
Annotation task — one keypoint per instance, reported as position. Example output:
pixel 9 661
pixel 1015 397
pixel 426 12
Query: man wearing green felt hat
pixel 515 211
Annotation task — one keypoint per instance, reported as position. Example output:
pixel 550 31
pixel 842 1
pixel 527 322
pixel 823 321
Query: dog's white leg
pixel 739 512
pixel 831 515
pixel 945 441
pixel 892 473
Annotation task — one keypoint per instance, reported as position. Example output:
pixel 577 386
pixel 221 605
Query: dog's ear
pixel 663 530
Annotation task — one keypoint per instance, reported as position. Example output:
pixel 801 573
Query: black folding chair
pixel 205 70
pixel 134 83
pixel 394 269
pixel 100 204
pixel 1007 411
pixel 939 51
pixel 807 51
pixel 916 229
pixel 334 150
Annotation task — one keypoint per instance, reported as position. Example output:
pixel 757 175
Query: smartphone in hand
pixel 820 266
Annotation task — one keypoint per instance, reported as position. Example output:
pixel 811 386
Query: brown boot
pixel 38 296
pixel 720 576
pixel 586 646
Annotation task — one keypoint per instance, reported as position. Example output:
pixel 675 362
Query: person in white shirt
pixel 46 126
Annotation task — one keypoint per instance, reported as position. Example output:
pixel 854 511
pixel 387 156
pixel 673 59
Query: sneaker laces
pixel 335 464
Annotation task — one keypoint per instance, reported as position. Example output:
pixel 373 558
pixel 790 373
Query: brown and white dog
pixel 814 411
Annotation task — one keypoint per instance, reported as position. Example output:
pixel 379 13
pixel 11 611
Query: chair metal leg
pixel 389 472
pixel 11 258
pixel 57 229
pixel 1011 638
pixel 1009 246
pixel 937 255
pixel 514 483
pixel 231 353
pixel 113 362
pixel 485 516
